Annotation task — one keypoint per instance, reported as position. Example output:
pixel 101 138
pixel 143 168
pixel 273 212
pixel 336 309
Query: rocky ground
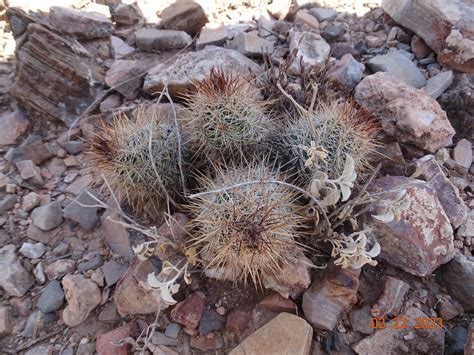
pixel 70 282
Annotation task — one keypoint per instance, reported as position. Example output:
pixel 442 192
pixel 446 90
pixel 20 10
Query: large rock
pixel 14 278
pixel 458 101
pixel 196 66
pixel 53 76
pixel 422 122
pixel 84 25
pixel 458 275
pixel 330 295
pixel 421 239
pixel 447 192
pixel 398 65
pixel 445 26
pixel 284 334
pixel 390 340
pixel 313 52
pixel 12 126
pixel 52 297
pixel 130 295
pixel 105 344
pixel 82 295
pixel 184 16
pixel 153 40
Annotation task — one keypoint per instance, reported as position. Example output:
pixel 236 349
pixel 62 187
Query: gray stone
pixel 360 319
pixel 323 14
pixel 212 36
pixel 52 297
pixel 397 64
pixel 110 314
pixel 7 203
pixel 92 264
pixel 12 126
pixel 196 66
pixel 77 211
pixel 113 271
pixel 120 49
pixel 172 330
pixel 458 275
pixel 251 45
pixel 48 216
pixel 39 274
pixel 210 321
pixel 6 327
pixel 73 147
pixel 439 84
pixel 333 33
pixel 159 338
pixel 346 73
pixel 306 21
pixel 33 250
pixel 30 172
pixel 116 235
pixel 14 278
pixel 462 153
pixel 154 40
pixel 37 234
pixel 127 14
pixel 313 52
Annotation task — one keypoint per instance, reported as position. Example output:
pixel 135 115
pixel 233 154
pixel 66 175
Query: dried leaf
pixel 332 198
pixel 174 289
pixel 167 267
pixel 386 217
pixel 167 297
pixel 153 281
pixel 187 278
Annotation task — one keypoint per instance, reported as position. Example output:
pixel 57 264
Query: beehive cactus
pixel 224 117
pixel 245 231
pixel 139 159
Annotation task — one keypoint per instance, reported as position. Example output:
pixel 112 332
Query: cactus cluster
pixel 341 129
pixel 138 157
pixel 224 117
pixel 247 229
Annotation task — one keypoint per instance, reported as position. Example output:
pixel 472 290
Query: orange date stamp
pixel 407 323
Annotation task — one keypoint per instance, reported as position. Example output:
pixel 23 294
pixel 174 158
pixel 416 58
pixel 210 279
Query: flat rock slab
pixel 78 212
pixel 14 278
pixel 284 334
pixel 398 64
pixel 196 66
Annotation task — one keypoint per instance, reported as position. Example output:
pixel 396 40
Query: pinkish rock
pixel 85 25
pixel 127 14
pixel 284 334
pixel 446 28
pixel 391 301
pixel 122 70
pixel 30 172
pixel 184 16
pixel 251 45
pixel 238 319
pixel 82 296
pixel 116 235
pixel 105 342
pixel 292 280
pixel 422 123
pixel 280 9
pixel 462 153
pixel 130 296
pixel 419 47
pixel 120 49
pixel 334 293
pixel 405 340
pixel 448 194
pixel 307 21
pixel 449 308
pixel 196 66
pixel 59 268
pixel 14 278
pixel 207 342
pixel 275 302
pixel 188 312
pixel 212 36
pixel 176 228
pixel 30 201
pixel 313 52
pixel 421 239
pixel 12 126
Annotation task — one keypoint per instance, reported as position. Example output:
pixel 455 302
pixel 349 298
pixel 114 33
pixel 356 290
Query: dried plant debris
pixel 225 118
pixel 245 227
pixel 139 159
pixel 337 130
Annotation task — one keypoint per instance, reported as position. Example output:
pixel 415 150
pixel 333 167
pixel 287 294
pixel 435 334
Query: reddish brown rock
pixel 130 296
pixel 188 312
pixel 285 334
pixel 419 47
pixel 207 342
pixel 6 327
pixel 447 193
pixel 449 308
pixel 105 342
pixel 421 239
pixel 238 319
pixel 184 16
pixel 275 302
pixel 307 21
pixel 422 123
pixel 391 301
pixel 82 296
pixel 12 126
pixel 446 27
pixel 330 295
